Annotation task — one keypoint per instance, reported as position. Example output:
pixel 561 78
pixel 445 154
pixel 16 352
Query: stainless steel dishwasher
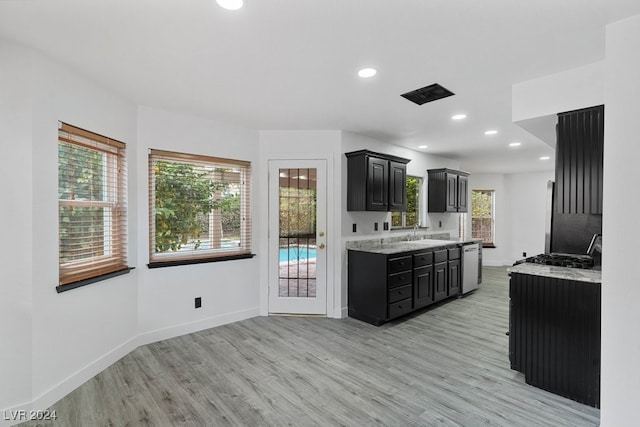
pixel 470 267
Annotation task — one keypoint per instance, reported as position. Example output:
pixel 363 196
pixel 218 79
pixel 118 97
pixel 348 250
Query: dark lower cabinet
pixel 423 286
pixel 454 277
pixel 383 287
pixel 554 335
pixel 440 281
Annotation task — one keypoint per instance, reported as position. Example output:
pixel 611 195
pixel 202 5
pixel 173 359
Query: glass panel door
pixel 297 216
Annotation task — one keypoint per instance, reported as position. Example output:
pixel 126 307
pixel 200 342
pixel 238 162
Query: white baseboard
pixel 17 414
pixel 199 325
pixel 14 415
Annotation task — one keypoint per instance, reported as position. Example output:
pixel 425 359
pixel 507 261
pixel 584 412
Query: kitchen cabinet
pixel 579 161
pixel 454 273
pixel 380 286
pixel 383 287
pixel 376 182
pixel 422 279
pixel 448 190
pixel 554 334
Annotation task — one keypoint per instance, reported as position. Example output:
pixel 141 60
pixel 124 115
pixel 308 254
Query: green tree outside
pixel 185 196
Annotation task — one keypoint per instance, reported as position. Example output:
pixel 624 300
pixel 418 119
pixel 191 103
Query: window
pixel 92 207
pixel 199 209
pixel 411 217
pixel 483 216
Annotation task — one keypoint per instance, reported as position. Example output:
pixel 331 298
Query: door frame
pixel 334 237
pixel 316 305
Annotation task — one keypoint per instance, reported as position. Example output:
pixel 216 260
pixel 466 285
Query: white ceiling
pixel 291 64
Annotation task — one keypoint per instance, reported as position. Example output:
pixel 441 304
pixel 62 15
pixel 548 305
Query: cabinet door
pixel 423 286
pixel 463 193
pixel 397 187
pixel 452 193
pixel 454 277
pixel 439 281
pixel 377 184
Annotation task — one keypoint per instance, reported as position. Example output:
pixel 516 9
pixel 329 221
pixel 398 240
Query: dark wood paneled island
pixel 554 329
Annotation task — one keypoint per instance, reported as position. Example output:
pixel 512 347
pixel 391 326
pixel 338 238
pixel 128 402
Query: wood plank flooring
pixel 445 366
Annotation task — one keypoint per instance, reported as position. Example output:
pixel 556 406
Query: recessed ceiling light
pixel 545 158
pixel 231 4
pixel 422 146
pixel 459 117
pixel 515 144
pixel 365 73
pixel 491 132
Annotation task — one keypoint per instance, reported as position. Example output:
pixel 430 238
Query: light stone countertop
pixel 568 273
pixel 380 246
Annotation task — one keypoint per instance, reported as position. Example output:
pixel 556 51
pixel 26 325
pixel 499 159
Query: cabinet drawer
pixel 399 264
pixel 440 256
pixel 399 279
pixel 400 293
pixel 420 260
pixel 399 308
pixel 454 253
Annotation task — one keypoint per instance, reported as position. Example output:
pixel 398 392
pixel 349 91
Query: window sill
pixel 173 263
pixel 85 282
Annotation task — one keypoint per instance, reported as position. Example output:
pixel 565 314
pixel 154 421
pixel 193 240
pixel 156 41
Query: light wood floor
pixel 446 366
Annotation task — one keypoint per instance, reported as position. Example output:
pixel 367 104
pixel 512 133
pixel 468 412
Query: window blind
pixel 199 208
pixel 92 205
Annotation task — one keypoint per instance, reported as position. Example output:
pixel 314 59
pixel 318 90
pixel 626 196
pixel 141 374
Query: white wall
pixel 565 91
pixel 229 289
pixel 291 144
pixel 520 203
pixel 70 340
pixel 16 262
pixel 526 211
pixel 620 376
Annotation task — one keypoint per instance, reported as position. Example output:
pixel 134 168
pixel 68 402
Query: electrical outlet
pixel 385 225
pixel 524 254
pixel 198 302
pixel 354 228
pixel 375 226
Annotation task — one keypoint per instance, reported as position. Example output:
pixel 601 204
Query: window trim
pixel 491 244
pixel 81 272
pixel 212 255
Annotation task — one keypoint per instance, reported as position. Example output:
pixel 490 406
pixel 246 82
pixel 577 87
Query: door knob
pixel 321 246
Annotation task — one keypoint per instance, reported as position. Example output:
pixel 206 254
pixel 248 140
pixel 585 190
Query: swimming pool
pixel 294 253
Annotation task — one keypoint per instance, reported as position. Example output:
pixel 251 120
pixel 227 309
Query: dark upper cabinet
pixel 448 190
pixel 397 186
pixel 579 161
pixel 376 182
pixel 463 193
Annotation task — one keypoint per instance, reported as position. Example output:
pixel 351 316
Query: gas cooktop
pixel 560 260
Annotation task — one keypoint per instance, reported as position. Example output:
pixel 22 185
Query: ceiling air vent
pixel 427 94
